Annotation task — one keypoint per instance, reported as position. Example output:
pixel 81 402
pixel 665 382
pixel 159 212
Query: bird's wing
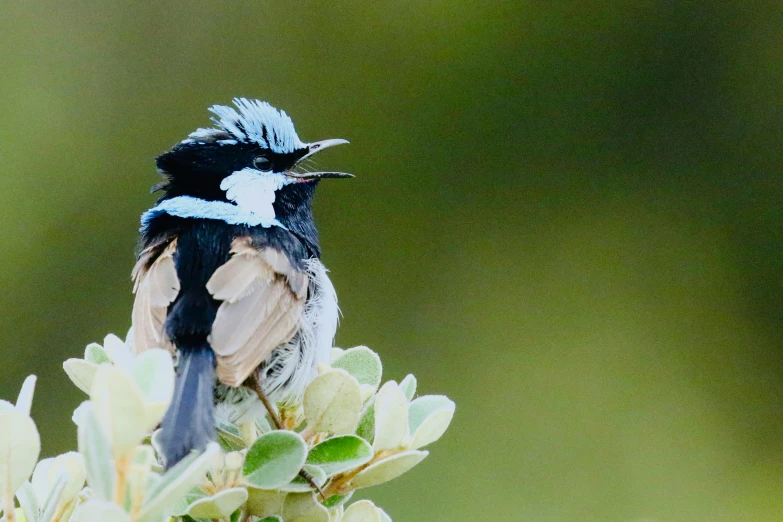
pixel 156 285
pixel 263 298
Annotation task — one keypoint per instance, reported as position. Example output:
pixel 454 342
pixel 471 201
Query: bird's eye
pixel 262 163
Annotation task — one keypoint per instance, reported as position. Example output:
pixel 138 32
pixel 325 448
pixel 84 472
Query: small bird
pixel 228 277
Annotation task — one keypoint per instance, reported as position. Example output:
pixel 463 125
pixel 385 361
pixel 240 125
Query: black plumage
pixel 227 278
pixel 203 245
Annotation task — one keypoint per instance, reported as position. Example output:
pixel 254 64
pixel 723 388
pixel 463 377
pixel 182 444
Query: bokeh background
pixel 567 217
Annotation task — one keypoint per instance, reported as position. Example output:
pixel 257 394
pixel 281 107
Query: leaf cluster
pixel 349 432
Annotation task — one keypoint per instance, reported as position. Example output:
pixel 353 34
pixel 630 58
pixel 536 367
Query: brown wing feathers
pixel 263 299
pixel 156 285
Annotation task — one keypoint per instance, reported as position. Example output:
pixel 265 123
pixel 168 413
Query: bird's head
pixel 252 152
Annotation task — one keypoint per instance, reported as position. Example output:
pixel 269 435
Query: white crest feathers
pixel 256 121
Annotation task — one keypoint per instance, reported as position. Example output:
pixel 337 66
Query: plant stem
pixel 280 426
pixel 339 484
pixel 8 507
pixel 119 490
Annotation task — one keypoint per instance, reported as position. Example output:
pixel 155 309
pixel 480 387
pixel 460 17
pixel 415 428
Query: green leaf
pixel 229 438
pixel 24 401
pixel 53 500
pixel 40 479
pixel 335 353
pixel 387 469
pixel 362 363
pixel 28 502
pixel 341 453
pixel 336 514
pixel 337 500
pixel 94 510
pixel 366 427
pixel 119 408
pixel 119 353
pixel 273 518
pixel 97 456
pixel 177 481
pixel 140 471
pixel 303 507
pixel 154 480
pixel 332 402
pixel 18 513
pixel 181 506
pixel 391 417
pixel 367 392
pixel 274 459
pixel 81 373
pixel 262 423
pixel 70 507
pixel 233 461
pixel 361 511
pixel 144 456
pixel 219 505
pixel 20 446
pixel 264 502
pixel 78 413
pixel 408 386
pixel 70 465
pixel 153 372
pixel 422 407
pixel 95 354
pixel 300 485
pixel 432 428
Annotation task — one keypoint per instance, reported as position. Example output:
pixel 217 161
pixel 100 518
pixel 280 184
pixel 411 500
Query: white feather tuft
pixel 293 365
pixel 256 121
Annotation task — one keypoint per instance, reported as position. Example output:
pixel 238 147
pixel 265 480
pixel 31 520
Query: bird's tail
pixel 189 423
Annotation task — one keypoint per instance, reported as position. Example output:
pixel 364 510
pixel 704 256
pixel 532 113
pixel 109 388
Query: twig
pixel 338 484
pixel 253 382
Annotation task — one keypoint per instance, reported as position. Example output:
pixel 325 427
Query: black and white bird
pixel 229 276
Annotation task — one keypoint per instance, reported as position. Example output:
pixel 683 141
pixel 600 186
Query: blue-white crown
pixel 254 121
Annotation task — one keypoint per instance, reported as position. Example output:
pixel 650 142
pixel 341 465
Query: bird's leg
pixel 256 385
pixel 311 481
pixel 268 405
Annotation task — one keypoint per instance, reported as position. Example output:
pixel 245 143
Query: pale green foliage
pixel 332 402
pixel 274 459
pixel 364 511
pixel 340 454
pixel 349 433
pixel 219 505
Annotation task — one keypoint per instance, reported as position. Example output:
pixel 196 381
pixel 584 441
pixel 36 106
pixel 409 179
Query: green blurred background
pixel 567 217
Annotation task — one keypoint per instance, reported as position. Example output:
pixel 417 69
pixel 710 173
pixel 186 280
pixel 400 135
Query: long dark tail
pixel 189 423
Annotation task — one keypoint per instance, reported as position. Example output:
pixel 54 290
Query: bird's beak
pixel 320 175
pixel 314 148
pixel 318 146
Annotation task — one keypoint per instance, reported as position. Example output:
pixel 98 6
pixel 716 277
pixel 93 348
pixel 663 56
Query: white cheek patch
pixel 254 191
pixel 251 191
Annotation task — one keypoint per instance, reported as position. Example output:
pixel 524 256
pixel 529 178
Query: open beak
pixel 319 175
pixel 314 148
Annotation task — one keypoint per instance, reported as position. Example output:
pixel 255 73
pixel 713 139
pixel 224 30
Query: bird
pixel 228 276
